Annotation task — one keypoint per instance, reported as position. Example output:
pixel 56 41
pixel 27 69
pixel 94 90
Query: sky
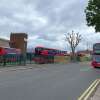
pixel 46 22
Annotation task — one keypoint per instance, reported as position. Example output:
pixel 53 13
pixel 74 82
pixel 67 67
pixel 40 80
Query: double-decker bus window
pixel 96 58
pixel 96 46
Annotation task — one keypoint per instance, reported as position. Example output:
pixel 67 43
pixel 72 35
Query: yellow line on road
pixel 92 91
pixel 89 91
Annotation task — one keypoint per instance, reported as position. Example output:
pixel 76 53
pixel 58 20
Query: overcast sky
pixel 46 21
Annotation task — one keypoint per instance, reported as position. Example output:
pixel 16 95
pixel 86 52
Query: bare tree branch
pixel 73 39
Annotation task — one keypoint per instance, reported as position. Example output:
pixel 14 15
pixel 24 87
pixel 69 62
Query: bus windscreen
pixel 97 58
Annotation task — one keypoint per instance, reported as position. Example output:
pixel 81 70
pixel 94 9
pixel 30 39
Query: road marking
pixel 85 69
pixel 90 91
pixel 15 69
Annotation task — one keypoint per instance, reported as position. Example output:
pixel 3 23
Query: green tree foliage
pixel 93 14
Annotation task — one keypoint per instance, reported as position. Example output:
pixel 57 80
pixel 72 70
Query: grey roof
pixel 4 40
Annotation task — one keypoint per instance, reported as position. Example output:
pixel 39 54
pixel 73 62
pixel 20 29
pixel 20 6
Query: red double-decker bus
pixel 6 50
pixel 46 55
pixel 49 51
pixel 96 55
pixel 10 54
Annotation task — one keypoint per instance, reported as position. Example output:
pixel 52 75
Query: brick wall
pixel 18 40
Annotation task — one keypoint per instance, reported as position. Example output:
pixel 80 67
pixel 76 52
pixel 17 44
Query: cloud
pixel 46 21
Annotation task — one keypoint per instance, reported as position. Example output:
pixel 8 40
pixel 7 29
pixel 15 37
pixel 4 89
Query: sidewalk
pixel 96 95
pixel 29 66
pixel 18 67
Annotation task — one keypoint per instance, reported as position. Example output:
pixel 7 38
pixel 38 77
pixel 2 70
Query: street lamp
pixel 25 48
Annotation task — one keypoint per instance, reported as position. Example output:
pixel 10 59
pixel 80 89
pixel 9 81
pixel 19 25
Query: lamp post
pixel 24 53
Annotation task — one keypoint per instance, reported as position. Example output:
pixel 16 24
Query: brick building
pixel 19 41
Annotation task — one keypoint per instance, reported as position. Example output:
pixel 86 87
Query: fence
pixel 18 59
pixel 10 59
pixel 15 59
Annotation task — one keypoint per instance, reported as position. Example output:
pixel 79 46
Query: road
pixel 50 82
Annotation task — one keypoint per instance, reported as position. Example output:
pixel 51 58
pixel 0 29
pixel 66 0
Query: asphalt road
pixel 51 82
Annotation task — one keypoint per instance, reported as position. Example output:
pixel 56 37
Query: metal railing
pixel 19 59
pixel 15 59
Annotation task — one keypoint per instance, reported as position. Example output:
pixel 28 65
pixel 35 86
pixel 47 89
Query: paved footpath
pixel 29 66
pixel 14 68
pixel 96 94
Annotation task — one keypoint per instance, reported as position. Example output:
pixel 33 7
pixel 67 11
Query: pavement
pixel 30 66
pixel 96 95
pixel 20 67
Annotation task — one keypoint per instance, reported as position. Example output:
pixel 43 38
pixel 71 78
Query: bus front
pixel 96 55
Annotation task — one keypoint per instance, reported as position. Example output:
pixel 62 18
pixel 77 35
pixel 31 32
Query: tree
pixel 93 14
pixel 73 39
